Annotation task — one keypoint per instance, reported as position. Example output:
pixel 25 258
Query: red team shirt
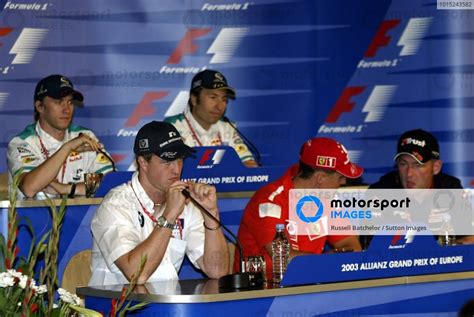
pixel 268 207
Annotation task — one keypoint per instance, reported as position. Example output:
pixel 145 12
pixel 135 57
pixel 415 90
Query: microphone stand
pixel 242 280
pixel 247 141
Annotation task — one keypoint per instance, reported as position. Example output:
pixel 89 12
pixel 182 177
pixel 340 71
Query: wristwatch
pixel 72 192
pixel 161 222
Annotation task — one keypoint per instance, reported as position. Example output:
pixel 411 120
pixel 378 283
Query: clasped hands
pixel 84 143
pixel 175 200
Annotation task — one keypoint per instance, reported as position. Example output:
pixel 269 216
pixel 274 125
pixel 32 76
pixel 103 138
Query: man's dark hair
pixel 37 115
pixel 147 157
pixel 195 92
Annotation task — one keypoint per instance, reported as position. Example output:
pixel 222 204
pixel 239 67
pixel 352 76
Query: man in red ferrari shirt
pixel 324 164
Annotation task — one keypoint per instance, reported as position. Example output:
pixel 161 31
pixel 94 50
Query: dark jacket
pixel 392 180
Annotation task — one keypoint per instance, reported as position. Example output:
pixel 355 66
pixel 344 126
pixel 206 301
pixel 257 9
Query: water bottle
pixel 446 232
pixel 281 253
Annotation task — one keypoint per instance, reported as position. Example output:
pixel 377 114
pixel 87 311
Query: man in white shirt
pixel 150 216
pixel 202 124
pixel 51 156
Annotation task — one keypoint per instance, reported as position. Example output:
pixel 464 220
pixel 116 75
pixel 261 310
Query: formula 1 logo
pixel 399 243
pixel 222 48
pixel 25 46
pixel 3 98
pixel 409 42
pixel 145 108
pixel 210 158
pixel 375 106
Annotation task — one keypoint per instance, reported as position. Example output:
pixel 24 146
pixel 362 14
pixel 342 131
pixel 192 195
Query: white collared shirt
pixel 25 153
pixel 220 133
pixel 120 224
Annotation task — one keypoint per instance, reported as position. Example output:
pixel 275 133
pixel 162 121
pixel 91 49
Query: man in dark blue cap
pixel 51 156
pixel 151 216
pixel 203 123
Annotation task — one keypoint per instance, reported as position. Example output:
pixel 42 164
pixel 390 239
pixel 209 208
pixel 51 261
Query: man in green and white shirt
pixel 203 124
pixel 51 155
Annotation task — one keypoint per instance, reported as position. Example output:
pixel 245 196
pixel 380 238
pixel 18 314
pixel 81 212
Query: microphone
pixel 106 155
pixel 242 280
pixel 252 147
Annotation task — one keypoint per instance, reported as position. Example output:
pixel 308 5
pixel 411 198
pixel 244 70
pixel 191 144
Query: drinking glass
pixel 92 182
pixel 256 263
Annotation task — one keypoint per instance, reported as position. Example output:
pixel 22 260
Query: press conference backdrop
pixel 358 71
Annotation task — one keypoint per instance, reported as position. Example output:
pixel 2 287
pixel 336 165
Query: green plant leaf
pixel 85 311
pixel 137 306
pixel 56 312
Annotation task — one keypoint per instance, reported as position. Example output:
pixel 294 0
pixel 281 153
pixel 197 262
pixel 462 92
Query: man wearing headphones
pixel 202 124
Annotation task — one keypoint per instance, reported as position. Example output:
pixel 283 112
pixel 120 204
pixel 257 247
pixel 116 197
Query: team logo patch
pixel 241 148
pixel 23 150
pixel 79 175
pixel 215 142
pixel 219 76
pixel 219 85
pixel 65 82
pixel 75 156
pixel 143 144
pixel 28 159
pixel 326 161
pixel 101 159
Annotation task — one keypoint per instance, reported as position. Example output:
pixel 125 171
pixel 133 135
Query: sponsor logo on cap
pixel 419 143
pixel 418 156
pixel 143 144
pixel 219 76
pixel 65 82
pixel 326 161
pixel 170 155
pixel 197 83
pixel 170 140
pixel 42 90
pixel 353 170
